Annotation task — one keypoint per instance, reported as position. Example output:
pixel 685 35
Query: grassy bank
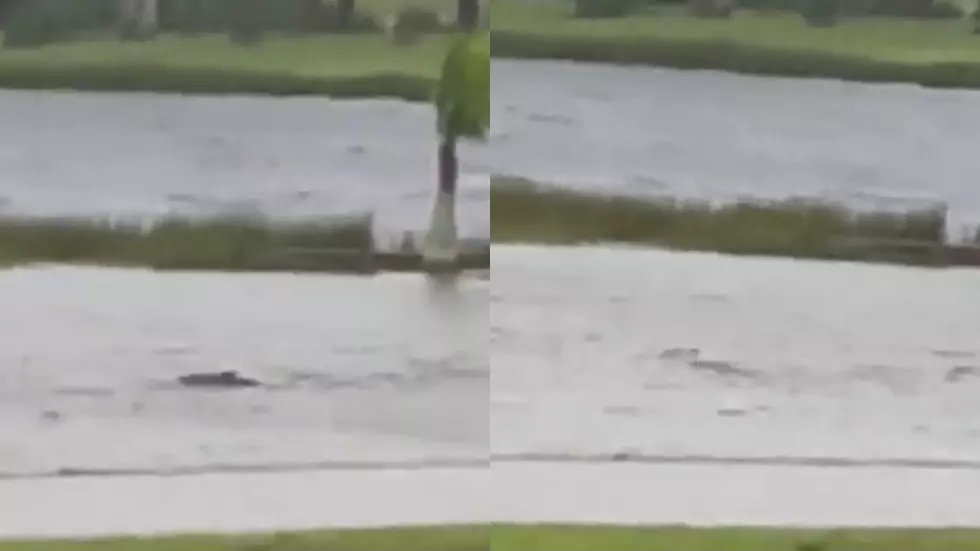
pixel 219 244
pixel 523 212
pixel 548 538
pixel 172 243
pixel 339 66
pixel 527 212
pixel 931 53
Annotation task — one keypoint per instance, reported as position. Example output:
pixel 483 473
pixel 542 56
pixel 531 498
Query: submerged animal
pixel 221 379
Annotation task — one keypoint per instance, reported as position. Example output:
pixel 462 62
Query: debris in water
pixel 223 379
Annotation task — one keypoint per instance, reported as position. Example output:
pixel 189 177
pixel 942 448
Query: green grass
pixel 883 39
pixel 928 52
pixel 341 66
pixel 218 244
pixel 524 212
pixel 226 243
pixel 528 212
pixel 932 53
pixel 546 538
pixel 338 66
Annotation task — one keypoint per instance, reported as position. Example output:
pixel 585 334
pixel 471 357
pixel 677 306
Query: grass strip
pixel 545 538
pixel 226 243
pixel 355 66
pixel 523 212
pixel 868 49
pixel 532 213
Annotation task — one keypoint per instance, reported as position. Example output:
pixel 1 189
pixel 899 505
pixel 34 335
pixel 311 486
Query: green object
pixel 463 93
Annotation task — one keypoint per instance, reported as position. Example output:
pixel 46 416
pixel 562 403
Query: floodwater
pixel 659 355
pixel 151 154
pixel 668 356
pixel 802 373
pixel 719 136
pixel 359 370
pixel 638 130
pixel 528 493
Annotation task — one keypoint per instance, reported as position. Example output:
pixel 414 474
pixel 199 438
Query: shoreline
pixel 803 504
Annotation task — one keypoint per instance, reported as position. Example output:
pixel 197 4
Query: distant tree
pixel 589 9
pixel 138 19
pixel 247 25
pixel 821 13
pixel 712 8
pixel 8 7
pixel 345 13
pixel 468 14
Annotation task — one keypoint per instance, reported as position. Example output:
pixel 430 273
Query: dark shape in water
pixel 960 373
pixel 222 379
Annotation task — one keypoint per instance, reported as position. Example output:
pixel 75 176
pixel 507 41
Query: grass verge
pixel 529 212
pixel 217 244
pixel 228 243
pixel 547 538
pixel 349 66
pixel 930 53
pixel 523 212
